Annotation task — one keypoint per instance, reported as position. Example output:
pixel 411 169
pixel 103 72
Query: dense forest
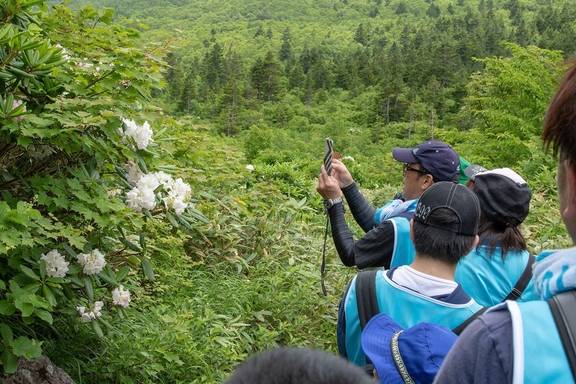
pixel 391 69
pixel 228 104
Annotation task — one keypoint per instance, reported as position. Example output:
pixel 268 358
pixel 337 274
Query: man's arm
pixel 361 209
pixel 375 249
pixel 482 354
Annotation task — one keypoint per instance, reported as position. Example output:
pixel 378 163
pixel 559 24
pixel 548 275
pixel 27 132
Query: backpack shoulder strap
pixel 563 308
pixel 459 329
pixel 366 296
pixel 522 282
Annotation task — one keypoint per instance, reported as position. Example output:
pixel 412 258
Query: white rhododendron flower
pixel 179 206
pixel 142 135
pixel 174 193
pixel 56 265
pixel 121 296
pixel 93 313
pixel 139 199
pixel 92 262
pixel 148 182
pixel 163 178
pixel 178 192
pixel 250 168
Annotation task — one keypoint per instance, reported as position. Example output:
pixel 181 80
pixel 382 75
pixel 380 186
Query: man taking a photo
pixel 387 240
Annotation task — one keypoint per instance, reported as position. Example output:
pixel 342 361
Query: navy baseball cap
pixel 405 355
pixel 436 157
pixel 462 203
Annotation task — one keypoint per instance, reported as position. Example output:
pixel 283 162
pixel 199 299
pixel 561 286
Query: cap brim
pixel 404 155
pixel 376 338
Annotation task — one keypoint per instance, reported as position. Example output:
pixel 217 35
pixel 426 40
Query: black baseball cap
pixel 458 199
pixel 436 157
pixel 504 196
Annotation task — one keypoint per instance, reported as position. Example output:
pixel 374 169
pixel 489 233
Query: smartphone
pixel 328 155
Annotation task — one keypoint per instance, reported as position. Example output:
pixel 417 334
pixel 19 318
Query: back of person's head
pixel 297 366
pixel 504 202
pixel 560 134
pixel 446 222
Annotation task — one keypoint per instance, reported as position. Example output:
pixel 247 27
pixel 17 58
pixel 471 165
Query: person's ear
pixel 412 230
pixel 569 212
pixel 474 243
pixel 427 182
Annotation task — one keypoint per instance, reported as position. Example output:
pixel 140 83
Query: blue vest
pixel 404 251
pixel 490 278
pixel 405 306
pixel 538 352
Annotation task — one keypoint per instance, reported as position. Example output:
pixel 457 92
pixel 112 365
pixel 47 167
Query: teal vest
pixel 490 278
pixel 404 251
pixel 538 352
pixel 405 306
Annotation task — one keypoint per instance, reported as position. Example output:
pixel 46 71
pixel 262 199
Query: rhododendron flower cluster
pixel 94 312
pixel 174 194
pixel 92 262
pixel 121 297
pixel 56 265
pixel 141 134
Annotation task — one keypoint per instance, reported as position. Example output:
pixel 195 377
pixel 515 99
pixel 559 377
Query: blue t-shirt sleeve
pixel 482 354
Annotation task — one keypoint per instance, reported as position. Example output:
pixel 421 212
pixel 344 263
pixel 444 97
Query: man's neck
pixel 433 267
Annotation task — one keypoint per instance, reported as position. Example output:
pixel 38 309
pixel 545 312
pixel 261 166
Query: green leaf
pixel 172 220
pixel 122 273
pixel 6 308
pixel 70 251
pixel 44 315
pixel 28 348
pixel 49 295
pixel 25 307
pixel 108 276
pixel 97 329
pixel 147 267
pixel 29 272
pixel 6 333
pixel 9 362
pixel 89 288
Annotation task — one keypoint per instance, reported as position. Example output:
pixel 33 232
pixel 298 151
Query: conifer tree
pixel 285 53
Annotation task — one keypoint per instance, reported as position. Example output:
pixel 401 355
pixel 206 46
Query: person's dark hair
pixel 297 366
pixel 493 235
pixel 441 244
pixel 560 122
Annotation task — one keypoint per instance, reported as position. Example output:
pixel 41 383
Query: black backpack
pixel 563 308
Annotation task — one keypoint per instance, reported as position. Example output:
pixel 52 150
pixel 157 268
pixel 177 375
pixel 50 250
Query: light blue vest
pixel 490 278
pixel 405 306
pixel 404 251
pixel 538 352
